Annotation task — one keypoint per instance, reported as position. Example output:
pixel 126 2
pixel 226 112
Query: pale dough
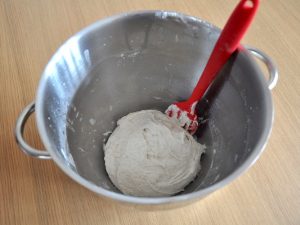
pixel 150 155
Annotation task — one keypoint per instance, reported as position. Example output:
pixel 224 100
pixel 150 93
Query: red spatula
pixel 227 43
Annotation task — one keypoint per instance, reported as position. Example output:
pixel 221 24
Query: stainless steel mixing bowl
pixel 148 60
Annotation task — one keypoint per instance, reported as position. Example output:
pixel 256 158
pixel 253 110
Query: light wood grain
pixel 37 192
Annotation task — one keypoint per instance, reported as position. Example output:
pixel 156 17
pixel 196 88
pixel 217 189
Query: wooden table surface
pixel 38 192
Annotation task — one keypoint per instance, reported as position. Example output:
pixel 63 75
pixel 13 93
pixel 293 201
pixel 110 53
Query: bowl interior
pixel 148 61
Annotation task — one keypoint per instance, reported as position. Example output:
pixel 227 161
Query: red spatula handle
pixel 227 43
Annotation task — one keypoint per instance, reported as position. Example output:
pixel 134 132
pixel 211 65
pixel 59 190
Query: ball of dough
pixel 150 155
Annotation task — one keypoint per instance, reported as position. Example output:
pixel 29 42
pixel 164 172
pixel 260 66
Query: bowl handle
pixel 27 111
pixel 272 68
